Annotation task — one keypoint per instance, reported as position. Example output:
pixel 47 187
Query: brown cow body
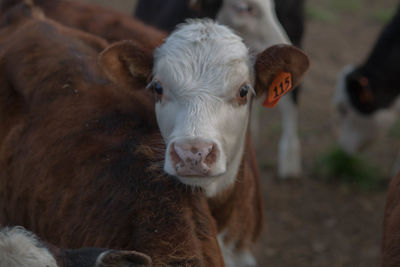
pixel 391 230
pixel 107 23
pixel 78 154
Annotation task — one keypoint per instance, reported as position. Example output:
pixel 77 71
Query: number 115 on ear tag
pixel 278 88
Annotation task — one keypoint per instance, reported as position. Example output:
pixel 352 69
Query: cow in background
pixel 367 96
pixel 256 23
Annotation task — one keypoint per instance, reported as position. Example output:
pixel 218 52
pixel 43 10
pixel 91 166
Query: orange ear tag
pixel 278 88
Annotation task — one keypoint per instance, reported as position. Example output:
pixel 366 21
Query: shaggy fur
pixel 72 167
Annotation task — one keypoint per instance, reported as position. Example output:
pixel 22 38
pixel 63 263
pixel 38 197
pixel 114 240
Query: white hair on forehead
pixel 201 54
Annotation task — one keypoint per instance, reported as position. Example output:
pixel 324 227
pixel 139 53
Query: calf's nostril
pixel 193 158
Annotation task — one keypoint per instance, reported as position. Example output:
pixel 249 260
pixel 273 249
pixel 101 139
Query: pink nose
pixel 193 158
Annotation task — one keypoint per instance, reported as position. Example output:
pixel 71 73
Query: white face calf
pixel 203 81
pixel 357 130
pixel 203 78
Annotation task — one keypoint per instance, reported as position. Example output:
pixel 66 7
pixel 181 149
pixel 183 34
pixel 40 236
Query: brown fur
pixel 70 169
pixel 107 23
pixel 391 229
pixel 239 210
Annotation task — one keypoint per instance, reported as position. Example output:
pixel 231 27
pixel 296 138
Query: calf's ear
pixel 127 64
pixel 279 69
pixel 120 258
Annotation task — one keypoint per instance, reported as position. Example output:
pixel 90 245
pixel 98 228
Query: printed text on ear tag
pixel 278 88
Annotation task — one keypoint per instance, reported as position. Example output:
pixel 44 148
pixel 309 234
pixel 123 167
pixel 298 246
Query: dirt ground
pixel 309 222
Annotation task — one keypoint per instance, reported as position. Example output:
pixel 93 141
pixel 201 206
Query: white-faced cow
pixel 79 154
pixel 256 22
pixel 241 197
pixel 234 199
pixel 204 82
pixel 367 96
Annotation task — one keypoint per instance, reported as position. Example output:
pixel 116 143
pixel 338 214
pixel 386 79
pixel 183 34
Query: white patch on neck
pixel 232 257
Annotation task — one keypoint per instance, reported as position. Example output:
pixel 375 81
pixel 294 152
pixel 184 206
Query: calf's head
pixel 203 81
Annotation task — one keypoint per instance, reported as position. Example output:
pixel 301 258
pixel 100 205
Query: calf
pixel 79 154
pixel 21 248
pixel 204 82
pixel 229 202
pixel 366 96
pixel 256 23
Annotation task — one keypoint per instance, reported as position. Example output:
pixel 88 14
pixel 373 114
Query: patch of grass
pixel 319 14
pixel 383 15
pixel 267 165
pixel 395 130
pixel 337 166
pixel 346 5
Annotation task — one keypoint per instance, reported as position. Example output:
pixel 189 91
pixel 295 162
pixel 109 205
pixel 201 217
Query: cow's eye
pixel 241 95
pixel 244 90
pixel 157 87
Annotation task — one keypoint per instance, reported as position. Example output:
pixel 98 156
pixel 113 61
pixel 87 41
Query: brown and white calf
pixel 231 201
pixel 21 248
pixel 79 154
pixel 258 26
pixel 204 82
pixel 256 22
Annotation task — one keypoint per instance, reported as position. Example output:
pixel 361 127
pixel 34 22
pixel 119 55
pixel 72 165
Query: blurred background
pixel 333 215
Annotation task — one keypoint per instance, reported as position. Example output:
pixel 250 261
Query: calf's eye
pixel 244 90
pixel 241 95
pixel 157 87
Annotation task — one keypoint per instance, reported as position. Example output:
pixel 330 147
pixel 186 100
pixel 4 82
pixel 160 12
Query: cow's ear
pixel 127 64
pixel 118 258
pixel 278 70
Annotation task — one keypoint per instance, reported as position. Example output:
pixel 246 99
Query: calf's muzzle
pixel 193 157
